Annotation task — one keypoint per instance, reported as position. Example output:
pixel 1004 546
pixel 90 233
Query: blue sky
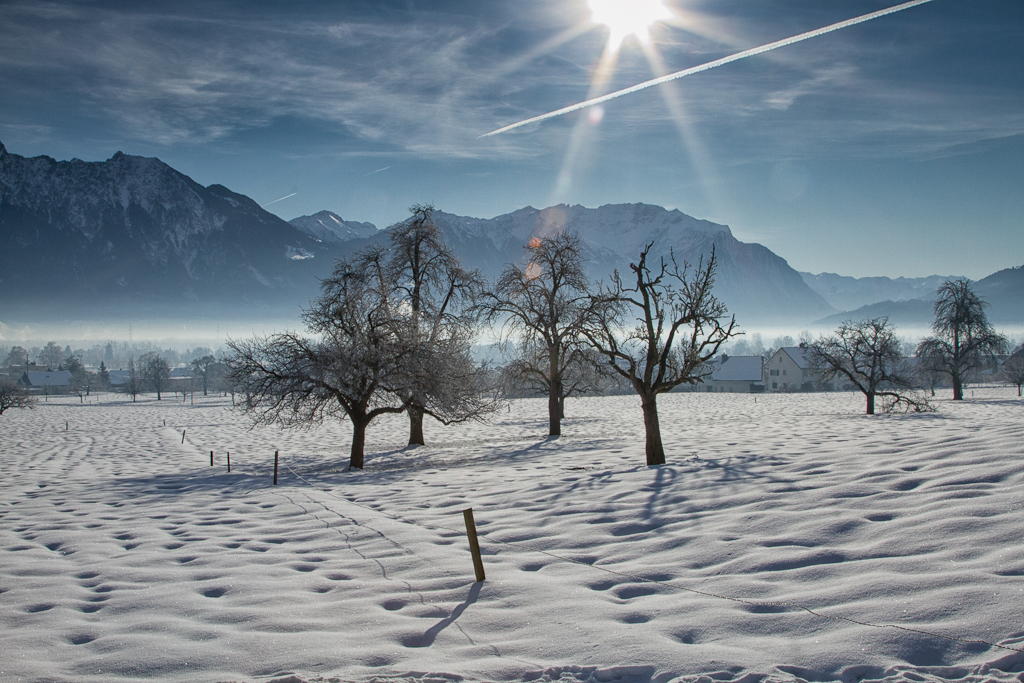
pixel 895 147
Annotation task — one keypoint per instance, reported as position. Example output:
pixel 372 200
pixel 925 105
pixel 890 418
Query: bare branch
pixel 679 327
pixel 14 396
pixel 868 355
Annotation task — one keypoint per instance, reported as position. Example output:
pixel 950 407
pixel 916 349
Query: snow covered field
pixel 126 557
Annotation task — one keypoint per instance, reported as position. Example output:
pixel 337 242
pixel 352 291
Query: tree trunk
pixel 554 397
pixel 871 402
pixel 654 448
pixel 554 419
pixel 355 460
pixel 415 427
pixel 561 407
pixel 958 387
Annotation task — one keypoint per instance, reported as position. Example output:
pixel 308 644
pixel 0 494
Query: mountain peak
pixel 330 228
pixel 134 231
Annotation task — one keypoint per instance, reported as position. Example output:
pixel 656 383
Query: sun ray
pixel 707 173
pixel 582 129
pixel 711 65
pixel 547 46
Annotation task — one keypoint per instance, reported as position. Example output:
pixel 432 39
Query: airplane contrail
pixel 278 200
pixel 377 171
pixel 711 65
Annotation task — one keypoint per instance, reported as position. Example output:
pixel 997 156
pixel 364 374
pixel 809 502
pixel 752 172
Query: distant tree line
pixel 149 372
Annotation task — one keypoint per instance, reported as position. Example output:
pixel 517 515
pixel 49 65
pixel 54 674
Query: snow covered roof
pixel 798 354
pixel 54 378
pixel 739 369
pixel 118 377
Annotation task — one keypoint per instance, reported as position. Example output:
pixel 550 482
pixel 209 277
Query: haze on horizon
pixel 895 147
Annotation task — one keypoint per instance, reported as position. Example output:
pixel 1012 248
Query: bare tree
pixel 428 285
pixel 545 307
pixel 869 355
pixel 679 328
pixel 206 367
pixel 928 373
pixel 14 396
pixel 1013 370
pixel 82 381
pixel 522 374
pixel 51 356
pixel 155 371
pixel 133 383
pixel 81 384
pixel 963 336
pixel 353 366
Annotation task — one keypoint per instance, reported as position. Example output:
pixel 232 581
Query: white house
pixel 787 370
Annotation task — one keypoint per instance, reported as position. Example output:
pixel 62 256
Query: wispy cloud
pixel 393 84
pixel 414 86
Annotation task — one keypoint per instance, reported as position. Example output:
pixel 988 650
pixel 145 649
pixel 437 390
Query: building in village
pixel 733 374
pixel 788 370
pixel 46 381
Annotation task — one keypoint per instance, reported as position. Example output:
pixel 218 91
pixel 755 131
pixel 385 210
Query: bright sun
pixel 628 17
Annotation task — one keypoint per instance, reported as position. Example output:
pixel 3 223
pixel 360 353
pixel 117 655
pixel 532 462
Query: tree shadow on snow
pixel 427 639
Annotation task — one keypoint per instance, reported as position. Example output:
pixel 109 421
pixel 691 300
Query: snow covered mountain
pixel 133 232
pixel 329 227
pixel 756 284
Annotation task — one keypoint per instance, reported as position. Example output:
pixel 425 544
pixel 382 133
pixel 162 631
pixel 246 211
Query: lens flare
pixel 628 17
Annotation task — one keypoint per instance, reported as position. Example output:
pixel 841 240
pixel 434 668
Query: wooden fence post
pixel 474 544
pixel 229 462
pixel 211 458
pixel 275 467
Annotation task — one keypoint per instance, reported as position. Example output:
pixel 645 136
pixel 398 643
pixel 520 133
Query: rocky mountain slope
pixel 756 284
pixel 133 232
pixel 331 228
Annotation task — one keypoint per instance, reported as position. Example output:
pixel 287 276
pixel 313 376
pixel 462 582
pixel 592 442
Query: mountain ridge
pixel 1003 291
pixel 132 233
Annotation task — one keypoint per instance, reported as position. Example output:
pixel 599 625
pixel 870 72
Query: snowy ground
pixel 126 557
